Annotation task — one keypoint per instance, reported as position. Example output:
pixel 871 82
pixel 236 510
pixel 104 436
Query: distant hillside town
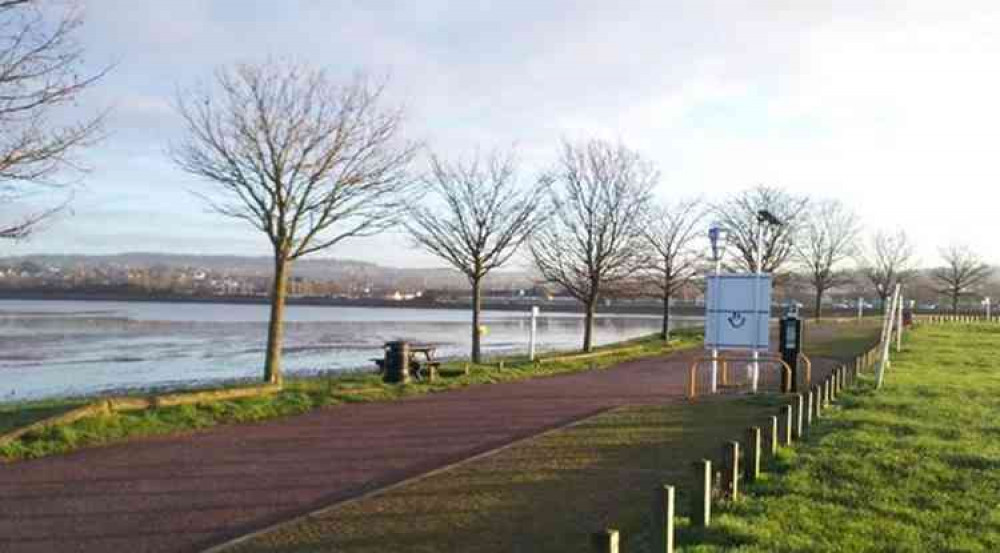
pixel 138 275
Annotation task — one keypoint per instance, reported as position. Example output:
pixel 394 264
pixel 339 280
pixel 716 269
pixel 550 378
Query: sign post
pixel 717 236
pixel 534 332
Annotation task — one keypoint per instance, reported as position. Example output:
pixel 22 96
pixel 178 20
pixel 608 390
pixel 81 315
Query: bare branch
pixel 40 71
pixel 481 219
pixel 962 273
pixel 305 161
pixel 887 261
pixel 826 238
pixel 593 242
pixel 739 216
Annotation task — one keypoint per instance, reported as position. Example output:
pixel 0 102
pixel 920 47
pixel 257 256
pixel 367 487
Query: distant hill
pixel 321 269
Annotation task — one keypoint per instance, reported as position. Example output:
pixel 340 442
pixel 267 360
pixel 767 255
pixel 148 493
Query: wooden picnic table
pixel 417 368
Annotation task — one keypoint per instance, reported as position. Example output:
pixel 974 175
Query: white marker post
pixel 755 378
pixel 861 308
pixel 534 332
pixel 986 303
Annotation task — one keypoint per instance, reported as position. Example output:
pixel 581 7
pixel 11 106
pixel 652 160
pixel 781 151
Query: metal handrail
pixel 692 373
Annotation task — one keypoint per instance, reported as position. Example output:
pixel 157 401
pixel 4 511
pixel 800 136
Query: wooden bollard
pixel 500 365
pixel 466 369
pixel 818 401
pixel 786 425
pixel 605 542
pixel 799 417
pixel 701 498
pixel 809 408
pixel 772 440
pixel 731 470
pixel 751 469
pixel 663 519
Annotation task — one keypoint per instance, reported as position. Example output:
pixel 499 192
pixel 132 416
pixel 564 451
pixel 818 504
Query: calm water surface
pixel 57 348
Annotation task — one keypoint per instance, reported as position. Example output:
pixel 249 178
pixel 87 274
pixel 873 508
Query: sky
pixel 890 107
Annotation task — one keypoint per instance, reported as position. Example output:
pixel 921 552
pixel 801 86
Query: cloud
pixel 888 106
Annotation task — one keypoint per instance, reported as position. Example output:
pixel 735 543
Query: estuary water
pixel 59 348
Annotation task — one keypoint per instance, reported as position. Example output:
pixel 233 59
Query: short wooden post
pixel 818 401
pixel 500 365
pixel 799 417
pixel 731 471
pixel 809 409
pixel 605 542
pixel 826 393
pixel 833 385
pixel 752 466
pixel 701 505
pixel 773 435
pixel 786 423
pixel 466 369
pixel 663 519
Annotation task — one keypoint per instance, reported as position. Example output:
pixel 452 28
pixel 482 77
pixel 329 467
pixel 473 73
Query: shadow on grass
pixel 545 495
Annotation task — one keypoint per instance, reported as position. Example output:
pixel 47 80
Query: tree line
pixel 311 162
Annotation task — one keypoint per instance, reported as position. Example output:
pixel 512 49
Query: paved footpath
pixel 185 493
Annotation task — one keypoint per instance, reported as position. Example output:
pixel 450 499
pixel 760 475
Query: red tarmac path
pixel 186 493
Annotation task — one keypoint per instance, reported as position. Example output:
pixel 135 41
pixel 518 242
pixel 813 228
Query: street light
pixel 763 217
pixel 718 236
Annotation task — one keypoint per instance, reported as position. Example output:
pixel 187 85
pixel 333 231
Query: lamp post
pixel 718 236
pixel 763 217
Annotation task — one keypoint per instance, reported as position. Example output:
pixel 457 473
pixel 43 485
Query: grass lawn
pixel 912 467
pixel 300 395
pixel 550 493
pixel 543 495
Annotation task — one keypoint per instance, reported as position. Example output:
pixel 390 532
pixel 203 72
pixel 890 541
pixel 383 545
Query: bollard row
pixel 741 460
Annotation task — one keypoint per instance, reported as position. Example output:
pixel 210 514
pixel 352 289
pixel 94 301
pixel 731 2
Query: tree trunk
pixel 665 333
pixel 275 327
pixel 819 303
pixel 588 325
pixel 477 303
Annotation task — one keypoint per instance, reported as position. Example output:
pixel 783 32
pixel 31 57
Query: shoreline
pixel 488 305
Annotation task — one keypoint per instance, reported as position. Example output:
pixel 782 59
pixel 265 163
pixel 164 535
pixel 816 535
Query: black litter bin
pixel 397 361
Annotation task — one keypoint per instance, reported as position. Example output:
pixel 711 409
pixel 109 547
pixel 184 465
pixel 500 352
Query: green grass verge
pixel 545 495
pixel 300 395
pixel 912 467
pixel 550 493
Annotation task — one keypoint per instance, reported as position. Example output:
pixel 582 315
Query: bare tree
pixel 827 238
pixel 963 270
pixel 304 160
pixel 483 218
pixel 40 72
pixel 671 260
pixel 739 215
pixel 889 260
pixel 594 240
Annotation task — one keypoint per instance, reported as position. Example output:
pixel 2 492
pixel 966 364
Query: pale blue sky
pixel 891 109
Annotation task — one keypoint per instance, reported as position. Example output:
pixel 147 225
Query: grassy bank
pixel 550 493
pixel 913 467
pixel 300 395
pixel 545 495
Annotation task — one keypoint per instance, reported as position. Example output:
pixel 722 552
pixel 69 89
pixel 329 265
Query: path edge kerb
pixel 230 543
